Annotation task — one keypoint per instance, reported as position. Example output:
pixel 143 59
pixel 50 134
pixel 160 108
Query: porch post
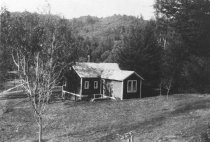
pixel 100 86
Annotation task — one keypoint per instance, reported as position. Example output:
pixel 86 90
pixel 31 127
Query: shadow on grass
pixel 10 105
pixel 141 127
pixel 146 126
pixel 19 123
pixel 202 104
pixel 14 96
pixel 112 130
pixel 86 103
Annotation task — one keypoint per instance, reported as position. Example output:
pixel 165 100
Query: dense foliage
pixel 183 28
pixel 171 52
pixel 140 52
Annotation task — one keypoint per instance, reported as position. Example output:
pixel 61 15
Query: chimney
pixel 89 53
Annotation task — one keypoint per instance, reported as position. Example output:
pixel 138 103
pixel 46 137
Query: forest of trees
pixel 171 52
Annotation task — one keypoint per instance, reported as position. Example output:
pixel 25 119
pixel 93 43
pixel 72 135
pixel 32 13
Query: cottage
pixel 88 80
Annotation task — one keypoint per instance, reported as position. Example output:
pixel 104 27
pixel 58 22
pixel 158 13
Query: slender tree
pixel 39 50
pixel 5 60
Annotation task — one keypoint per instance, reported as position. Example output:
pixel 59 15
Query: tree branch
pixel 13 58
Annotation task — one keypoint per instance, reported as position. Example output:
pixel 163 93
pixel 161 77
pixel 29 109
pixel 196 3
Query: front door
pixel 107 88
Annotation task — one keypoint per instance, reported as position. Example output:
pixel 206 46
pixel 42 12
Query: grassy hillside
pixel 182 117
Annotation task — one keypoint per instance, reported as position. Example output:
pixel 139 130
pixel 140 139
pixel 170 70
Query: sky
pixel 76 8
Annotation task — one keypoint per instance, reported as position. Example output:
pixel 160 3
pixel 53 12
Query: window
pixel 132 86
pixel 95 84
pixel 86 84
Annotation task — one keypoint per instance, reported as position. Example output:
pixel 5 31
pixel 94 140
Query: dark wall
pixel 91 89
pixel 72 82
pixel 127 95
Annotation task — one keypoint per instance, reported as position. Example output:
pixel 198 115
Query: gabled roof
pixel 110 71
pixel 86 72
pixel 118 75
pixel 100 66
pixel 93 70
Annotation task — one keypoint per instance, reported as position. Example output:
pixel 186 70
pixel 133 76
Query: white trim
pixel 122 90
pixel 95 84
pixel 76 72
pixel 100 85
pixel 77 95
pixel 80 86
pixel 132 86
pixel 136 88
pixel 140 87
pixel 87 85
pixel 139 75
pixel 135 74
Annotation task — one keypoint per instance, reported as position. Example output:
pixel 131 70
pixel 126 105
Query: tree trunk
pixel 160 89
pixel 40 129
pixel 168 88
pixel 168 92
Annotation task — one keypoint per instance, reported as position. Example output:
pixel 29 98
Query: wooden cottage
pixel 90 80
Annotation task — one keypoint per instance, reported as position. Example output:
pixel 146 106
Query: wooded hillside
pixel 171 52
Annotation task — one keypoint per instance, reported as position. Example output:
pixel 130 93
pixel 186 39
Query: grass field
pixel 180 118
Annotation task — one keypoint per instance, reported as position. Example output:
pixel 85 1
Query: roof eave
pixel 135 74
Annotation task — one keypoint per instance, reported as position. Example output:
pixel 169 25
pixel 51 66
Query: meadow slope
pixel 183 117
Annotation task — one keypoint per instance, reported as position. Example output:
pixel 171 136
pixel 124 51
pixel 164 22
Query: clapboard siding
pixel 72 82
pixel 91 89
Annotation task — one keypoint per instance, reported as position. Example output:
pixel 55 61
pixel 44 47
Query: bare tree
pixel 39 74
pixel 37 55
pixel 167 83
pixel 160 88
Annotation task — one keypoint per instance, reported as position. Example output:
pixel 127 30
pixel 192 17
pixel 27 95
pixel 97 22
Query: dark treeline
pixel 172 52
pixel 184 34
